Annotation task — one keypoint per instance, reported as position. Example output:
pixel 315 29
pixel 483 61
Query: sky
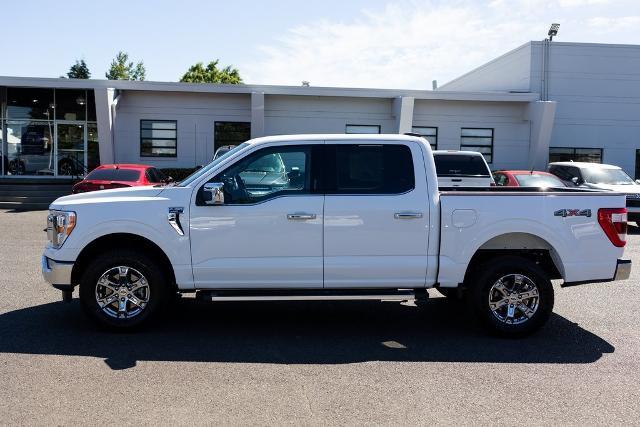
pixel 376 43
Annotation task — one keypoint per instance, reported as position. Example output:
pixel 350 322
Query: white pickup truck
pixel 331 217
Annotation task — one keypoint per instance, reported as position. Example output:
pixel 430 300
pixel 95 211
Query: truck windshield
pixel 203 170
pixel 607 176
pixel 460 165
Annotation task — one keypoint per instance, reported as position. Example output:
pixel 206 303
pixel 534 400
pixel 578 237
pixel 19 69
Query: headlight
pixel 60 224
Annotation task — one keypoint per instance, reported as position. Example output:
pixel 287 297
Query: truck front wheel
pixel 513 296
pixel 122 289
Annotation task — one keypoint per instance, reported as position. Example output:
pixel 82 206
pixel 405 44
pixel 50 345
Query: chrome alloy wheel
pixel 514 299
pixel 122 292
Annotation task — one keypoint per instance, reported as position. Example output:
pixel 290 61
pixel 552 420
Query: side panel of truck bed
pixel 473 220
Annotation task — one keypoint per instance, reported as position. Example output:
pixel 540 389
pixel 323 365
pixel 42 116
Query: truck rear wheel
pixel 513 296
pixel 122 289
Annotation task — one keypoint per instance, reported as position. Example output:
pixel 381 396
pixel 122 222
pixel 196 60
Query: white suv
pixel 600 177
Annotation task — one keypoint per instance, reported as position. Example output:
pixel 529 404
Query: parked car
pixel 601 177
pixel 106 177
pixel 365 221
pixel 525 178
pixel 462 169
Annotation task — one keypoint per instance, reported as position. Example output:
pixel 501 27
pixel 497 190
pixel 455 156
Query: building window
pixel 565 154
pixel 428 133
pixel 479 140
pixel 158 138
pixel 230 133
pixel 362 129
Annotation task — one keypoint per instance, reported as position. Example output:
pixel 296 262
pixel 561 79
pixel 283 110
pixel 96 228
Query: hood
pixel 626 189
pixel 129 194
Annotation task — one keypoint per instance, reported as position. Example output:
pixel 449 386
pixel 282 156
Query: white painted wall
pixel 325 114
pixel 511 130
pixel 509 72
pixel 596 87
pixel 195 114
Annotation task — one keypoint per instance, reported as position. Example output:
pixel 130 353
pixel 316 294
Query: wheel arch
pixel 522 244
pixel 119 240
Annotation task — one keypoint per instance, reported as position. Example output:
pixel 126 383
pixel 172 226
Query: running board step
pixel 307 295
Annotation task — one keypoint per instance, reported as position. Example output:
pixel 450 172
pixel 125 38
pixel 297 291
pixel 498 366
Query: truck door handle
pixel 407 215
pixel 300 216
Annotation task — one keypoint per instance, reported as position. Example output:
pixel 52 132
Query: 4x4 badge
pixel 573 212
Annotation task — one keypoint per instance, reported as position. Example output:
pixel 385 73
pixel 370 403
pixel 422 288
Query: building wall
pixel 511 134
pixel 597 89
pixel 325 114
pixel 509 72
pixel 195 114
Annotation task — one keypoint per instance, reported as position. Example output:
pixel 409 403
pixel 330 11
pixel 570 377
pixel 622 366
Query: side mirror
pixel 168 180
pixel 577 181
pixel 638 181
pixel 214 193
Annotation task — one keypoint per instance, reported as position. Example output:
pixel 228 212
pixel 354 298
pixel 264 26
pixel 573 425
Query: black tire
pixel 158 289
pixel 452 294
pixel 510 267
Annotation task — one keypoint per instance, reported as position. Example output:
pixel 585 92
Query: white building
pixel 567 100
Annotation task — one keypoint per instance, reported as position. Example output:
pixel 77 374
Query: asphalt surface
pixel 310 363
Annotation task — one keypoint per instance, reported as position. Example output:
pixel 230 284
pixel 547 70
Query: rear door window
pixel 114 175
pixel 460 165
pixel 368 169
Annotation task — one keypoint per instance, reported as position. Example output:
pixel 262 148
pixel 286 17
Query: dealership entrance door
pixel 71 148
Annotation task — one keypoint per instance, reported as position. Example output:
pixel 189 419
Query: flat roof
pixel 62 83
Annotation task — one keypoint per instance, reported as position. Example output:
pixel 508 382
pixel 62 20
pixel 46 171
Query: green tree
pixel 79 70
pixel 212 74
pixel 122 69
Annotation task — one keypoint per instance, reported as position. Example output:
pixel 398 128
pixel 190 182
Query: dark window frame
pixel 164 139
pixel 493 137
pixel 362 125
pixel 424 136
pixel 573 149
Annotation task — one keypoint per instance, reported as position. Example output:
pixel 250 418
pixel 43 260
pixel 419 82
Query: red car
pixel 524 178
pixel 118 176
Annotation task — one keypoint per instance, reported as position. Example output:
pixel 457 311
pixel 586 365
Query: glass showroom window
pixel 367 129
pixel 158 138
pixel 230 133
pixel 478 139
pixel 566 154
pixel 429 133
pixel 30 147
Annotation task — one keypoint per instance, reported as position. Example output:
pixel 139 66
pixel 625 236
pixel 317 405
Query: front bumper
pixel 57 273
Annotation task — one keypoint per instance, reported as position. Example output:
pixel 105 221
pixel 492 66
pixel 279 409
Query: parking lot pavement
pixel 310 363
